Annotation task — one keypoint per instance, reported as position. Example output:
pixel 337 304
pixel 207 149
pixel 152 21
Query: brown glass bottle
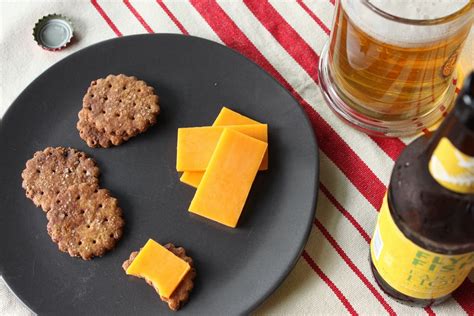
pixel 430 215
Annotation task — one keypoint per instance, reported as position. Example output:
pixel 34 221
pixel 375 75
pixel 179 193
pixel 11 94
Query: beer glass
pixel 389 67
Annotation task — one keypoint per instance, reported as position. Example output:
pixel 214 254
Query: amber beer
pixel 395 60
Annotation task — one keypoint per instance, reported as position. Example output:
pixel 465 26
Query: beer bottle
pixel 423 245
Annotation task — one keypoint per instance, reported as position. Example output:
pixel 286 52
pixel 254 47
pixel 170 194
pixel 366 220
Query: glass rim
pixel 435 21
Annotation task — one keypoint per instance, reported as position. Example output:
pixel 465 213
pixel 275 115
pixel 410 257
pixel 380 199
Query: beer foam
pixel 420 9
pixel 408 35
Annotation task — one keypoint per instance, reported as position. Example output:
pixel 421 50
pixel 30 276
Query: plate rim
pixel 313 140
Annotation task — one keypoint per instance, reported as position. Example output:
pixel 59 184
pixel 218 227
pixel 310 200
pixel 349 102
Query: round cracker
pixel 54 169
pixel 115 109
pixel 85 221
pixel 98 138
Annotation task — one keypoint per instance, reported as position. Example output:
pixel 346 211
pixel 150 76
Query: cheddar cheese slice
pixel 160 266
pixel 226 183
pixel 226 117
pixel 196 144
pixel 192 178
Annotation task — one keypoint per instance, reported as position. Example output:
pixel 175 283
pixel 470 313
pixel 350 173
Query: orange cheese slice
pixel 160 266
pixel 192 178
pixel 196 144
pixel 226 117
pixel 226 183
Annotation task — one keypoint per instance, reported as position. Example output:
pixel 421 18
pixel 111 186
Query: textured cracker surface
pixel 85 221
pixel 181 293
pixel 116 108
pixel 53 170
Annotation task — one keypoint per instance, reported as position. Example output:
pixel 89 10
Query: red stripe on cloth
pixel 172 17
pixel 332 1
pixel 344 212
pixel 355 169
pixel 106 17
pixel 393 147
pixel 353 267
pixel 429 311
pixel 464 295
pixel 330 142
pixel 138 16
pixel 329 283
pixel 286 36
pixel 314 17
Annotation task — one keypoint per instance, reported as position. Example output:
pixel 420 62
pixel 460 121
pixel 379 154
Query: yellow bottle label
pixel 410 269
pixel 451 168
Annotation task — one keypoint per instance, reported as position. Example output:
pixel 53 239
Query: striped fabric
pixel 283 37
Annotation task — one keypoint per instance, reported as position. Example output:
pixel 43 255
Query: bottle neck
pixel 451 156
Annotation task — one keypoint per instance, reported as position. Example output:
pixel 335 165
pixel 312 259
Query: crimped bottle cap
pixel 53 32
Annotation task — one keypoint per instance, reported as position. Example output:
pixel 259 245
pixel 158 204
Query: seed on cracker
pixel 52 170
pixel 115 109
pixel 181 293
pixel 85 221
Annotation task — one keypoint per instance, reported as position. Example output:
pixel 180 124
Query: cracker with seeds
pixel 53 170
pixel 85 221
pixel 116 108
pixel 181 293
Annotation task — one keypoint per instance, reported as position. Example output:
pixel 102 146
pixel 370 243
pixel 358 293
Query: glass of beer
pixel 389 68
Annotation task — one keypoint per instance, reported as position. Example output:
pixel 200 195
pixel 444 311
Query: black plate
pixel 236 268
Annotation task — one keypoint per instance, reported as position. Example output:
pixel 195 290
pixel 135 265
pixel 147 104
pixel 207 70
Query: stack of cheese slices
pixel 221 161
